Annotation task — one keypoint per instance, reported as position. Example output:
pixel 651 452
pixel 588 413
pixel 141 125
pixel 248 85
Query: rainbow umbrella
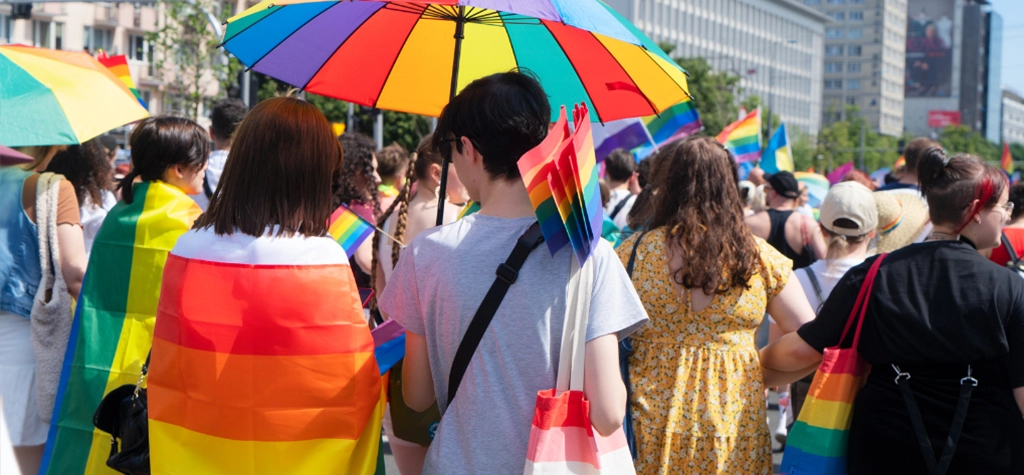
pixel 817 187
pixel 50 97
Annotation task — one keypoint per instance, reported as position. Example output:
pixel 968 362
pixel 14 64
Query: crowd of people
pixel 216 243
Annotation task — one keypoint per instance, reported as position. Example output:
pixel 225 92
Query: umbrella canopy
pixel 9 156
pixel 414 56
pixel 51 97
pixel 817 187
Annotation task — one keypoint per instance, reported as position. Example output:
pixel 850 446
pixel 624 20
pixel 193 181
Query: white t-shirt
pixel 621 218
pixel 828 276
pixel 439 283
pixel 218 158
pixel 93 216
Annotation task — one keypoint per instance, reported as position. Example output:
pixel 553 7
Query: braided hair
pixel 401 201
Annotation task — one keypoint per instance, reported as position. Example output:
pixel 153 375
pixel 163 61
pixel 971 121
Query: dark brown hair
pixel 279 172
pixel 914 150
pixel 359 153
pixel 1017 197
pixel 159 143
pixel 951 184
pixel 641 211
pixel 697 201
pixel 390 159
pixel 87 168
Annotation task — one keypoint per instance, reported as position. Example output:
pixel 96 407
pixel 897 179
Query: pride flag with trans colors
pixel 778 156
pixel 743 137
pixel 119 66
pixel 349 229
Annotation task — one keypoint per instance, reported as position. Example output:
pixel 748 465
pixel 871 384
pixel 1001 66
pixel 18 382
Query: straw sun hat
pixel 901 218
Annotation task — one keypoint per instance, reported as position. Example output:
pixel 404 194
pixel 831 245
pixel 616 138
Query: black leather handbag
pixel 123 413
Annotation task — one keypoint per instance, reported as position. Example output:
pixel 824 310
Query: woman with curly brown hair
pixel 706 282
pixel 356 187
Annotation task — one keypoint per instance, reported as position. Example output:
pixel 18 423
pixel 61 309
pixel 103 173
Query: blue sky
pixel 1012 12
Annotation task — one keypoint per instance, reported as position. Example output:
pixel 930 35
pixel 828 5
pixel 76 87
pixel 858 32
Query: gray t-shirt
pixel 435 290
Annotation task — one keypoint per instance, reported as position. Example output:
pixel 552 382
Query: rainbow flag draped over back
pixel 743 137
pixel 1007 160
pixel 119 66
pixel 262 361
pixel 349 229
pixel 113 325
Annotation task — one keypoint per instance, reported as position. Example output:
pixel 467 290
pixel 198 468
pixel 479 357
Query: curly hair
pixel 358 163
pixel 87 168
pixel 697 201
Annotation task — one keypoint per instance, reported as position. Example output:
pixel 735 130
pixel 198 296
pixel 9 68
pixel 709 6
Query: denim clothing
pixel 19 246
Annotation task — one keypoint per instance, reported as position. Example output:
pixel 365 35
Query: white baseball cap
pixel 849 210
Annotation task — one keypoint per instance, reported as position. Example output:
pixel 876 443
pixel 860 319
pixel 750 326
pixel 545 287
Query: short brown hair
pixel 951 184
pixel 914 150
pixel 697 201
pixel 390 160
pixel 279 172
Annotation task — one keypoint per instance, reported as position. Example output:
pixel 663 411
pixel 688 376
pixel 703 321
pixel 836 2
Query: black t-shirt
pixel 935 308
pixel 934 303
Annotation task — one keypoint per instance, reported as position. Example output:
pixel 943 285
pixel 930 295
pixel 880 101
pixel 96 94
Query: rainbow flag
pixel 349 229
pixel 778 156
pixel 119 66
pixel 1007 161
pixel 743 137
pixel 675 123
pixel 113 326
pixel 262 362
pixel 536 168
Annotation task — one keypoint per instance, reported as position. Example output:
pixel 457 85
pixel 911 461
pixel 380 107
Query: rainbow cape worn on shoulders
pixel 113 326
pixel 262 361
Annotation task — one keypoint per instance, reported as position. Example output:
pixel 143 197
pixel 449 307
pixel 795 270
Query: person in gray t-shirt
pixel 443 276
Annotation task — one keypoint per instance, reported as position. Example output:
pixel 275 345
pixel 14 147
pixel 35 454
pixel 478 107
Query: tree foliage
pixel 961 139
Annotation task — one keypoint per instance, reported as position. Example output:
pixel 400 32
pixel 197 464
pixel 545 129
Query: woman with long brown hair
pixel 706 282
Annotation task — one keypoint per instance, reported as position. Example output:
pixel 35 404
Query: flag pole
pixel 649 136
pixel 460 24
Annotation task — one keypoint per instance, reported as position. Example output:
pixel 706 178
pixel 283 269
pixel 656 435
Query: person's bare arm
pixel 417 383
pixel 602 384
pixel 1018 394
pixel 790 308
pixel 773 378
pixel 817 240
pixel 759 224
pixel 71 244
pixel 789 354
pixel 364 255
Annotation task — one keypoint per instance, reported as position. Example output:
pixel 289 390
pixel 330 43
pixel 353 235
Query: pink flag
pixel 837 175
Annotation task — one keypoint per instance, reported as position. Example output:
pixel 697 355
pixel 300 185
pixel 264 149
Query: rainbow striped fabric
pixel 262 361
pixel 113 326
pixel 470 208
pixel 676 122
pixel 743 137
pixel 561 177
pixel 119 66
pixel 349 229
pixel 817 442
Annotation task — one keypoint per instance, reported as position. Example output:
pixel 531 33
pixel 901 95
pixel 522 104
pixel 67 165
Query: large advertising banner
pixel 929 67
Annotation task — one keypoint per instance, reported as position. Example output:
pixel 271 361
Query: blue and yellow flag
pixel 778 156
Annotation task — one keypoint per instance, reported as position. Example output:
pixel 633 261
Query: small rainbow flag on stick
pixel 1007 160
pixel 119 66
pixel 561 178
pixel 349 229
pixel 743 137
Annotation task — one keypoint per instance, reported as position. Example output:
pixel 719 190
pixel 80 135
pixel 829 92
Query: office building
pixel 864 60
pixel 1012 118
pixel 775 46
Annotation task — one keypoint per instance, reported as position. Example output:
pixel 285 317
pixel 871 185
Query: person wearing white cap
pixel 848 218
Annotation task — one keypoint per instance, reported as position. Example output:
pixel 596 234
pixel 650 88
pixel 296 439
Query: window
pixel 5 29
pixel 857 2
pixel 833 50
pixel 853 84
pixel 833 67
pixel 833 33
pixel 874 102
pixel 853 50
pixel 857 15
pixel 58 36
pixel 855 33
pixel 41 31
pixel 853 67
pixel 138 48
pixel 96 39
pixel 833 84
pixel 837 16
pixel 851 101
pixel 836 2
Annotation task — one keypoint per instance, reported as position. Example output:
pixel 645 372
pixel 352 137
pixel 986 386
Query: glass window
pixel 836 2
pixel 812 2
pixel 857 15
pixel 833 84
pixel 138 48
pixel 853 50
pixel 96 39
pixel 853 67
pixel 5 28
pixel 855 33
pixel 834 33
pixel 838 16
pixel 41 31
pixel 833 67
pixel 851 101
pixel 58 36
pixel 833 50
pixel 853 84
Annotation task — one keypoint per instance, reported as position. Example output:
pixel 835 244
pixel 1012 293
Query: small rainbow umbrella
pixel 817 187
pixel 50 97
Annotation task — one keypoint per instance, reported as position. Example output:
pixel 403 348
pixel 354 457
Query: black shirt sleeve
pixel 1015 340
pixel 826 330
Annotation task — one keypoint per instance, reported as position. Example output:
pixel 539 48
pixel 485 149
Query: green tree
pixel 839 143
pixel 1017 150
pixel 713 94
pixel 961 139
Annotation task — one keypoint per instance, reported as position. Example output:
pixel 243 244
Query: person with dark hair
pixel 117 306
pixel 392 166
pixel 706 282
pixel 21 272
pixel 1013 232
pixel 943 332
pixel 357 188
pixel 795 235
pixel 640 211
pixel 446 271
pixel 620 172
pixel 224 119
pixel 260 281
pixel 912 154
pixel 90 168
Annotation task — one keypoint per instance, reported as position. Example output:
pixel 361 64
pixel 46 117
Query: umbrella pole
pixel 460 23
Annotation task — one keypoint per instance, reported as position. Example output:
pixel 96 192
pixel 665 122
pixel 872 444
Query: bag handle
pixel 573 351
pixel 860 307
pixel 1014 258
pixel 507 274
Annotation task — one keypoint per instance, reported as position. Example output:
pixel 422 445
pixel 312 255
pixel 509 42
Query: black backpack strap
pixel 1014 258
pixel 940 466
pixel 817 287
pixel 625 349
pixel 206 187
pixel 507 274
pixel 622 204
pixel 632 255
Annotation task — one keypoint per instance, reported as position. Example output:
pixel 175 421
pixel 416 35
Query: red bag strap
pixel 860 307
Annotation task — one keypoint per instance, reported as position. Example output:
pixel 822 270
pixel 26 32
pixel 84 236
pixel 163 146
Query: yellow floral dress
pixel 698 399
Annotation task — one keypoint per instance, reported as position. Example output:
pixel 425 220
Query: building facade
pixel 1012 120
pixel 864 60
pixel 774 46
